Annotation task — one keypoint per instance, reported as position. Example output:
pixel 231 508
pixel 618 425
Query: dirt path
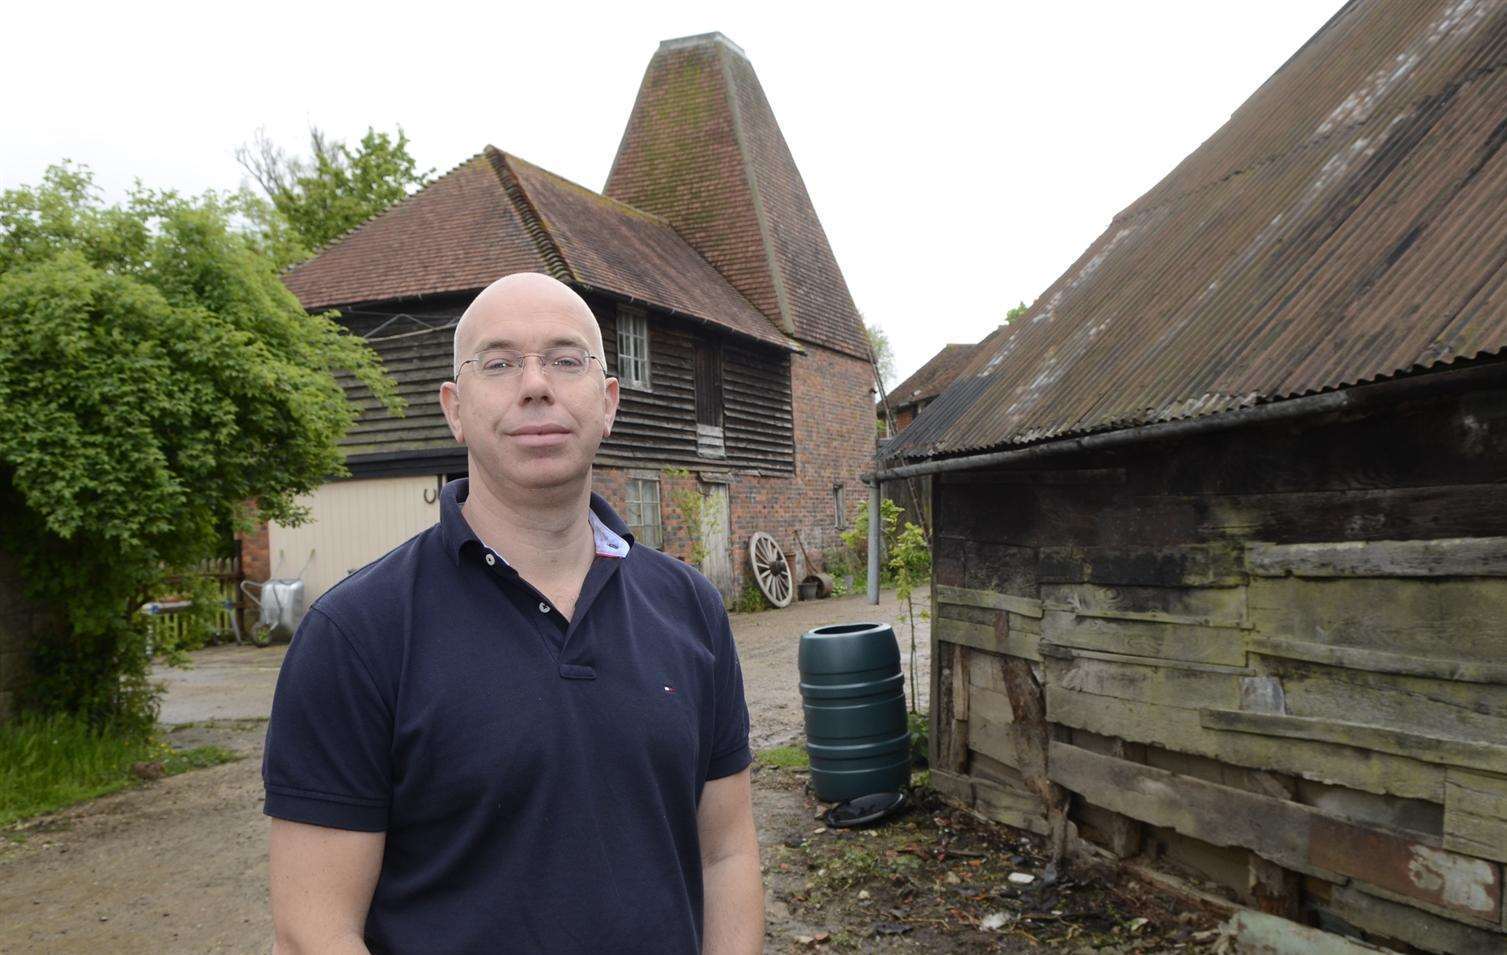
pixel 180 865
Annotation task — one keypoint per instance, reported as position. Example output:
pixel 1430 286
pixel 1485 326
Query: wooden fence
pixel 167 620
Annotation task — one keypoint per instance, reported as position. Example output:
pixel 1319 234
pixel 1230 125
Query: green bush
pixel 856 541
pixel 155 375
pixel 750 600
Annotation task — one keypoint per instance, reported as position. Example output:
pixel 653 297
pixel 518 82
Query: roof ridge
pixel 786 323
pixel 533 223
pixel 616 203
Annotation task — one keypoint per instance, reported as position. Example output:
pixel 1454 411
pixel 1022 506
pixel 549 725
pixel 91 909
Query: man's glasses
pixel 562 362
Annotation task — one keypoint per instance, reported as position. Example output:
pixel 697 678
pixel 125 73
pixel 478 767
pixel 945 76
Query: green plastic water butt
pixel 853 694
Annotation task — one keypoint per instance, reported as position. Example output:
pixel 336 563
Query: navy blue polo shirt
pixel 537 778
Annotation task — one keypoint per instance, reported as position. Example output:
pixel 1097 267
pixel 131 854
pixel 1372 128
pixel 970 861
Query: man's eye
pixel 497 363
pixel 568 362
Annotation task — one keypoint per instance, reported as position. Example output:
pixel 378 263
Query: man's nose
pixel 532 381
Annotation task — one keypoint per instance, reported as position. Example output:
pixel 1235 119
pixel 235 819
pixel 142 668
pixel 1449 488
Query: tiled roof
pixel 702 149
pixel 606 245
pixel 496 214
pixel 930 379
pixel 1344 225
pixel 460 232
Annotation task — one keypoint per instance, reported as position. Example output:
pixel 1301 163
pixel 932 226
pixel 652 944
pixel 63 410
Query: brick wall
pixel 834 443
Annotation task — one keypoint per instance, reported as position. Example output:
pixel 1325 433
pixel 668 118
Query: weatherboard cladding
pixel 702 148
pixel 653 427
pixel 1348 223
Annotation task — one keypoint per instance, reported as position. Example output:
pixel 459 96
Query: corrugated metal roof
pixel 1348 223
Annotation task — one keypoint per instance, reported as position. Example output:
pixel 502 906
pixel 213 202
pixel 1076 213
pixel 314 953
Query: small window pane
pixel 643 511
pixel 632 347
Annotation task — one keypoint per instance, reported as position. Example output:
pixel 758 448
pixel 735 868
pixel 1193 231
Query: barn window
pixel 632 347
pixel 643 511
pixel 709 441
pixel 837 503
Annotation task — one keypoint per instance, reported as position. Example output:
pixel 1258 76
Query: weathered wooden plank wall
pixel 654 427
pixel 1276 656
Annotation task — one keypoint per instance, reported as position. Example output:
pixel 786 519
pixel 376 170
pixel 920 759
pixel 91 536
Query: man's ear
pixel 611 400
pixel 450 403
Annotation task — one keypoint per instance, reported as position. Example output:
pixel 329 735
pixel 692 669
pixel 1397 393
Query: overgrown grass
pixel 785 757
pixel 47 763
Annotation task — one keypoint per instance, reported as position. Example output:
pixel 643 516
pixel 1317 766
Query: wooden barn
pixel 746 382
pixel 1221 524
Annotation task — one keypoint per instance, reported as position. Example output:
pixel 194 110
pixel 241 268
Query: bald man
pixel 520 731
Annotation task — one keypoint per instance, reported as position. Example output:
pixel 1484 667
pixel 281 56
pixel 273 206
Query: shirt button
pixel 543 607
pixel 491 560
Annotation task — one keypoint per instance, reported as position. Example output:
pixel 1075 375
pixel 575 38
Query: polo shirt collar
pixel 610 535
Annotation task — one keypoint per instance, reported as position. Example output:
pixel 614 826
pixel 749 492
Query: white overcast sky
pixel 960 155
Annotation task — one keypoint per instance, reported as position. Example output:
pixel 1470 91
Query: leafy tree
pixel 884 355
pixel 910 564
pixel 1018 311
pixel 320 198
pixel 155 376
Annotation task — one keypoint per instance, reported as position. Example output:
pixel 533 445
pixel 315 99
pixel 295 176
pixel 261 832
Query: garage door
pixel 351 524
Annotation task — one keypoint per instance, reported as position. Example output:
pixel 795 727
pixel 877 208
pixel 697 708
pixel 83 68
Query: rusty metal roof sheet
pixel 1348 223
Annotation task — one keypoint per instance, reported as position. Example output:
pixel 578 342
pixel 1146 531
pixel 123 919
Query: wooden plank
pixel 1431 933
pixel 1468 711
pixel 1031 737
pixel 991 736
pixel 1145 639
pixel 958 738
pixel 1260 933
pixel 1475 814
pixel 1196 565
pixel 1380 661
pixel 1179 729
pixel 1385 739
pixel 954 786
pixel 1414 617
pixel 984 672
pixel 1025 606
pixel 960 681
pixel 1061 652
pixel 1448 557
pixel 1073 478
pixel 1144 680
pixel 1288 833
pixel 1010 806
pixel 1215 814
pixel 982 637
pixel 1186 606
pixel 934 699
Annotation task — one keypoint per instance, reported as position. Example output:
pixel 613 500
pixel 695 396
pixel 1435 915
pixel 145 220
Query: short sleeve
pixel 730 752
pixel 327 759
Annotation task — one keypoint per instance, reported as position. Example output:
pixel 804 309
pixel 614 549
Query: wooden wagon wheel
pixel 771 569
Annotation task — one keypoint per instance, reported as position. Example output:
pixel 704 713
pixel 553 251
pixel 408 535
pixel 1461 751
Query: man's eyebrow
pixel 557 341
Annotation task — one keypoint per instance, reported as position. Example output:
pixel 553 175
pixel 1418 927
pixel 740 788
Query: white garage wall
pixel 351 524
